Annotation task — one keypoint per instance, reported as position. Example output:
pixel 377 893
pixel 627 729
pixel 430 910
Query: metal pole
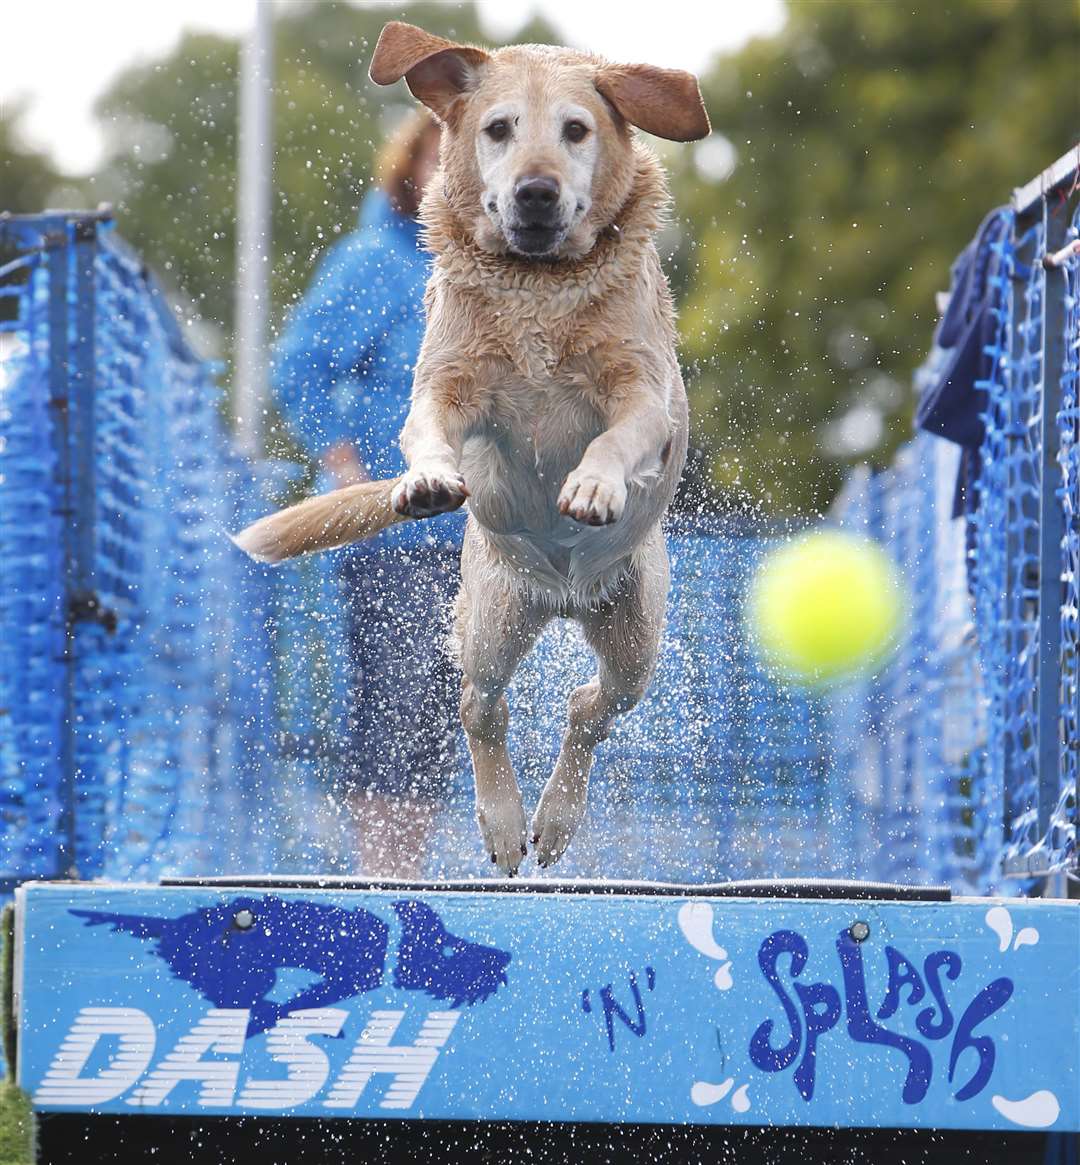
pixel 59 254
pixel 253 252
pixel 1048 694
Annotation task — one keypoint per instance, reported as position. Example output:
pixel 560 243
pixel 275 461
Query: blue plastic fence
pixel 972 731
pixel 165 705
pixel 139 722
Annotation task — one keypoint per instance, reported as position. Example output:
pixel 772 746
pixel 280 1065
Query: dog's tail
pixel 323 522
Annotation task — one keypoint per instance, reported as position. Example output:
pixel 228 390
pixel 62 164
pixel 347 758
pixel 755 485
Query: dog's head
pixel 537 153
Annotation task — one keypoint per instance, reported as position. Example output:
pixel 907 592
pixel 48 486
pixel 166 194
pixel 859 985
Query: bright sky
pixel 76 57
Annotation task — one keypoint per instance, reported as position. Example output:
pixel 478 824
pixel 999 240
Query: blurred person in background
pixel 342 376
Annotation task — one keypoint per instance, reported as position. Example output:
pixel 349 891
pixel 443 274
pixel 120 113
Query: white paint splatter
pixel 999 920
pixel 1028 937
pixel 722 978
pixel 740 1102
pixel 1037 1111
pixel 703 1093
pixel 696 923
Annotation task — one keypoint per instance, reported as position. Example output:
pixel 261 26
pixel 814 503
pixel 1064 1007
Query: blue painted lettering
pixel 812 1009
pixel 990 999
pixel 864 1030
pixel 762 1053
pixel 929 1027
pixel 901 974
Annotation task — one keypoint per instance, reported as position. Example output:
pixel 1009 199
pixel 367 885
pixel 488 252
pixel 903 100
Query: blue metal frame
pixel 58 259
pixel 1051 528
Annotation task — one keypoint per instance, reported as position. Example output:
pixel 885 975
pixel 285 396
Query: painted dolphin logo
pixel 236 966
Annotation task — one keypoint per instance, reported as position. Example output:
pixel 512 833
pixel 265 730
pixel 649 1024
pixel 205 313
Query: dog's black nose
pixel 537 195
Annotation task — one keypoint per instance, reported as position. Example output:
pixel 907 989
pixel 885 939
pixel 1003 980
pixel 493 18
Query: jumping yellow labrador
pixel 547 391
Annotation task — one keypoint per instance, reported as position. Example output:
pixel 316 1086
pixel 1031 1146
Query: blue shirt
pixel 951 383
pixel 343 367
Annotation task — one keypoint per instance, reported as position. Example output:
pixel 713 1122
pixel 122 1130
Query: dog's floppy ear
pixel 664 102
pixel 436 70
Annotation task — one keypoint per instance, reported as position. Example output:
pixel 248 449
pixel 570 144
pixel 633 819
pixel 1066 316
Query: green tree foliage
pixel 870 136
pixel 171 127
pixel 28 183
pixel 27 177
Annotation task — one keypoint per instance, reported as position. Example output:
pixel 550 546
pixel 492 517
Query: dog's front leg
pixel 634 444
pixel 431 442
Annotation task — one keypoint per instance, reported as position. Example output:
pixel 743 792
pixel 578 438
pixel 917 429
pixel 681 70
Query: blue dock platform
pixel 740 1006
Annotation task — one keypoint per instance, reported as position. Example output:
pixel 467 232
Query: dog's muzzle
pixel 537 227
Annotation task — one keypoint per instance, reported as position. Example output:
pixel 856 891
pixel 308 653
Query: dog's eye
pixel 498 130
pixel 575 131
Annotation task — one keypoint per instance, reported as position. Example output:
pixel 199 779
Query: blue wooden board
pixel 577 1007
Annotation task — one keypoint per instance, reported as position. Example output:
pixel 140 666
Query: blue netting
pixel 31 594
pixel 974 713
pixel 1016 411
pixel 913 739
pixel 142 733
pixel 1002 561
pixel 1009 566
pixel 1064 817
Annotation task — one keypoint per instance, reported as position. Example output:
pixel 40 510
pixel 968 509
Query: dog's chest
pixel 516 457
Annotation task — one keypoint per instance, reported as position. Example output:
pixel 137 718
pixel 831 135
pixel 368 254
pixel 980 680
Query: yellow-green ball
pixel 826 607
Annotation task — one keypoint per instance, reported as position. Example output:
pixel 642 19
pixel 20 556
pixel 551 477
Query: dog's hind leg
pixel 625 634
pixel 496 626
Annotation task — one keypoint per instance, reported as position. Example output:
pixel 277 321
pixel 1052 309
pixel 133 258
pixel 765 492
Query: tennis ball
pixel 826 607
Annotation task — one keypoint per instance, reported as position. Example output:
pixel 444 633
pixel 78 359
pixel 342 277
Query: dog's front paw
pixel 557 817
pixel 423 492
pixel 502 826
pixel 592 498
